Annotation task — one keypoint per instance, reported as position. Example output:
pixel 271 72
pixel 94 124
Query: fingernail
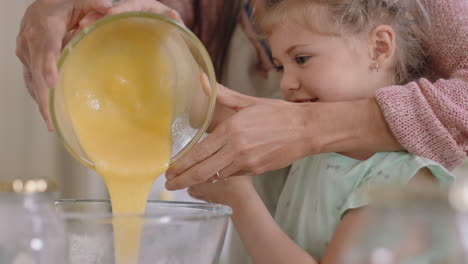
pixel 169 176
pixel 206 86
pixel 169 186
pixel 50 127
pixel 173 15
pixel 205 79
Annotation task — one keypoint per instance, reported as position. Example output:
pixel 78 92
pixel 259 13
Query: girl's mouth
pixel 306 100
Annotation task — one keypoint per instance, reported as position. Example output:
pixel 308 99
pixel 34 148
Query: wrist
pixel 346 127
pixel 377 133
pixel 241 198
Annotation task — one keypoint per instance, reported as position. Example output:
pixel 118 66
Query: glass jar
pixel 31 231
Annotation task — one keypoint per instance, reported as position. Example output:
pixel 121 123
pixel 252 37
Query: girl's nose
pixel 289 83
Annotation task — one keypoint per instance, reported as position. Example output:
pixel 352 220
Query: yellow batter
pixel 119 97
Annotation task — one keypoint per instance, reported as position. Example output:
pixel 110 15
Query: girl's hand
pixel 228 192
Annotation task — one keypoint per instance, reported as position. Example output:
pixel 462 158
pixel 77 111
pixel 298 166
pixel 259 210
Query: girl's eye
pixel 279 68
pixel 302 59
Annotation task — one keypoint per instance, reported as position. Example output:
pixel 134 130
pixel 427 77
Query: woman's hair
pixel 408 18
pixel 227 14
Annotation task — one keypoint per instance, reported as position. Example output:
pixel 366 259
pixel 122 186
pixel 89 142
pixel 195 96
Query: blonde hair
pixel 408 18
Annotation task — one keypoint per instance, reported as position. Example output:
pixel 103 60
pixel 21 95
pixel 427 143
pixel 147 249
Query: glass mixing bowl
pixel 192 105
pixel 173 232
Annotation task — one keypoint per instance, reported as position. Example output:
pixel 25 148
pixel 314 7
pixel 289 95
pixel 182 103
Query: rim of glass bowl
pixel 210 211
pixel 189 34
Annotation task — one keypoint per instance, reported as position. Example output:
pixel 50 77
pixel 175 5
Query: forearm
pixel 353 126
pixel 262 237
pixel 430 119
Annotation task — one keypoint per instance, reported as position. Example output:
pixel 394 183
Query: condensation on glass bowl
pixel 182 133
pixel 193 108
pixel 173 232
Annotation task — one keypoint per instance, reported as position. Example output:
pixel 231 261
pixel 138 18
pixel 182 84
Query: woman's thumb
pixel 90 18
pixel 233 100
pixel 98 6
pixel 228 97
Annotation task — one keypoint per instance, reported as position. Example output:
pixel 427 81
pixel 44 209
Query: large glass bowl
pixel 193 106
pixel 173 232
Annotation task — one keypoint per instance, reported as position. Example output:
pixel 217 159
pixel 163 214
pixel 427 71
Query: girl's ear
pixel 382 46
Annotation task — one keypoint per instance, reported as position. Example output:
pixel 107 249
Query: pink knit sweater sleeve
pixel 431 119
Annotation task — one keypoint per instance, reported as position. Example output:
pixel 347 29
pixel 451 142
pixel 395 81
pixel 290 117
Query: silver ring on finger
pixel 215 178
pixel 218 176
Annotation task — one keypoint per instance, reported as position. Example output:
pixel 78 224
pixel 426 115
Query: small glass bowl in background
pixel 31 230
pixel 411 226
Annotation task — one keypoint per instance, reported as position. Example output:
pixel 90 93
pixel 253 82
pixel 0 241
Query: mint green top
pixel 321 188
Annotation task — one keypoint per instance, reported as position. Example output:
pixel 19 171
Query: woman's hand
pixel 228 192
pixel 151 6
pixel 48 25
pixel 262 135
pixel 44 27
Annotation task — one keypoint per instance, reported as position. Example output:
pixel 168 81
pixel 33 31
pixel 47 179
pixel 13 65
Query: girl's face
pixel 320 67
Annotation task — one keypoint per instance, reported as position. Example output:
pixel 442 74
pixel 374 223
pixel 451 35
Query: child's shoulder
pixel 378 160
pixel 398 167
pixel 394 170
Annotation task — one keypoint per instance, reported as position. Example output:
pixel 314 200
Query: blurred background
pixel 27 149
